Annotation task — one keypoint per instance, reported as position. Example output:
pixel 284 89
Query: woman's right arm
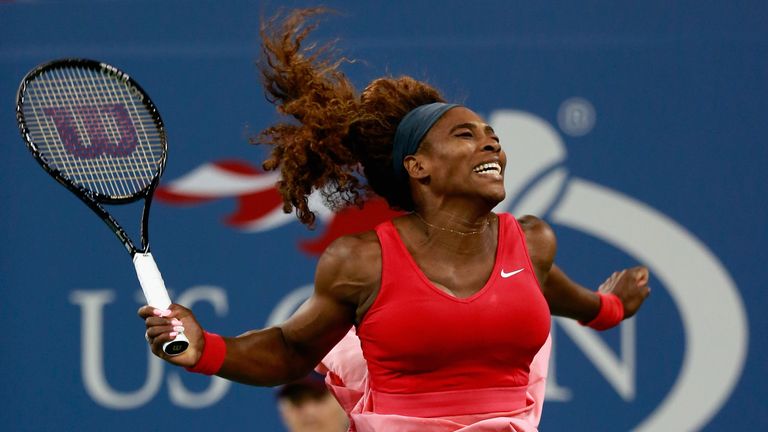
pixel 275 355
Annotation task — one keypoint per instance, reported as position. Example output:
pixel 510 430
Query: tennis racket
pixel 95 130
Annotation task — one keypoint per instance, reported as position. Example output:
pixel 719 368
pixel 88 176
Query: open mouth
pixel 488 168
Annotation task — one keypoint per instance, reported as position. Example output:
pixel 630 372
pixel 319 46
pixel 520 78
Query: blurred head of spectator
pixel 307 405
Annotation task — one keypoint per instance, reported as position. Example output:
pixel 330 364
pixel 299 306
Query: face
pixel 313 413
pixel 461 156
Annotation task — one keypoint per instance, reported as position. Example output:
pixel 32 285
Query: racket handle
pixel 153 286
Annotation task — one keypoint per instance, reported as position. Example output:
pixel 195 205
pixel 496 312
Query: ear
pixel 416 167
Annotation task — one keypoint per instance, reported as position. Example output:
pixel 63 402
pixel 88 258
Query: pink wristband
pixel 610 315
pixel 213 355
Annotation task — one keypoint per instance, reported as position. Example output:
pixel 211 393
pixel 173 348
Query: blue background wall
pixel 661 161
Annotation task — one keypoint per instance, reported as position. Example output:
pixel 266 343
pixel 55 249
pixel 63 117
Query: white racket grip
pixel 151 281
pixel 157 296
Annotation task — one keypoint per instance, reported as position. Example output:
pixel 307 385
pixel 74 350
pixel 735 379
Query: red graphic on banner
pixel 259 205
pixel 351 220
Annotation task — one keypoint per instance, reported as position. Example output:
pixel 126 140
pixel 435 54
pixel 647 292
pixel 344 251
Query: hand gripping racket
pixel 96 131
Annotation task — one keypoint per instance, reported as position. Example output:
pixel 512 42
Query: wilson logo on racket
pixel 89 131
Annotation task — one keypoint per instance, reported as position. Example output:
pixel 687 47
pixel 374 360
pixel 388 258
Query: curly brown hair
pixel 337 134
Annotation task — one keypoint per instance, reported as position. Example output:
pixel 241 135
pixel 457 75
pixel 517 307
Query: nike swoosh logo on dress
pixel 512 273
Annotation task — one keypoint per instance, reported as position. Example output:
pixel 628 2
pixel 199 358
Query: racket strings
pixel 95 129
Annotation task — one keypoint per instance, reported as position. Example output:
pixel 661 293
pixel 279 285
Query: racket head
pixel 93 128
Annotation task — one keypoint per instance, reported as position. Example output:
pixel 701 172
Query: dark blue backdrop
pixel 637 129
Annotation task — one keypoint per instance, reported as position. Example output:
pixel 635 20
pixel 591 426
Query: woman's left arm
pixel 566 297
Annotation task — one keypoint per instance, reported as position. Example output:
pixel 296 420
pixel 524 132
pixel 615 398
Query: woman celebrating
pixel 451 302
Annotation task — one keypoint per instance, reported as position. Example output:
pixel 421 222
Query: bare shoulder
pixel 537 229
pixel 349 249
pixel 541 241
pixel 350 267
pixel 530 222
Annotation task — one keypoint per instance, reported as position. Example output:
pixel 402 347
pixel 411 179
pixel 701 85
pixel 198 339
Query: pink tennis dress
pixel 434 362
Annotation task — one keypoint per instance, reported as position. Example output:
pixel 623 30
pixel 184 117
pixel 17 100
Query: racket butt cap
pixel 176 346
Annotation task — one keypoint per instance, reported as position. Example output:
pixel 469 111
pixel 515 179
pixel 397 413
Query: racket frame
pixel 93 199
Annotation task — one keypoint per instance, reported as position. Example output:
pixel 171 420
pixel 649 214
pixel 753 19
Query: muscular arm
pixel 569 299
pixel 566 297
pixel 343 280
pixel 345 274
pixel 289 351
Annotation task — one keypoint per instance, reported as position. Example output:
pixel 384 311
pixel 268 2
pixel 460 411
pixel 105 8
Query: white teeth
pixel 488 168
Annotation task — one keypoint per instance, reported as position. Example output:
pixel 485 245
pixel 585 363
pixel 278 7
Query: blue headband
pixel 411 131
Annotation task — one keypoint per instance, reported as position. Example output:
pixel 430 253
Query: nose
pixel 491 145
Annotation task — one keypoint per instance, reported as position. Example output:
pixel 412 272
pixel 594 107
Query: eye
pixel 465 134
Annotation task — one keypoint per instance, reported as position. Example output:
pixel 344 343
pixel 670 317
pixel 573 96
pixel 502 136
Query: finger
pixel 162 312
pixel 621 274
pixel 146 311
pixel 156 332
pixel 155 322
pixel 159 322
pixel 612 278
pixel 161 338
pixel 173 325
pixel 178 311
pixel 156 343
pixel 641 275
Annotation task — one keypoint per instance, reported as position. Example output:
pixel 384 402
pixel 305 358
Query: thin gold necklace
pixel 461 233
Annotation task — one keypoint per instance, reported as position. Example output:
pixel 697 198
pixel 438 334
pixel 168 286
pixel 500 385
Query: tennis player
pixel 451 302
